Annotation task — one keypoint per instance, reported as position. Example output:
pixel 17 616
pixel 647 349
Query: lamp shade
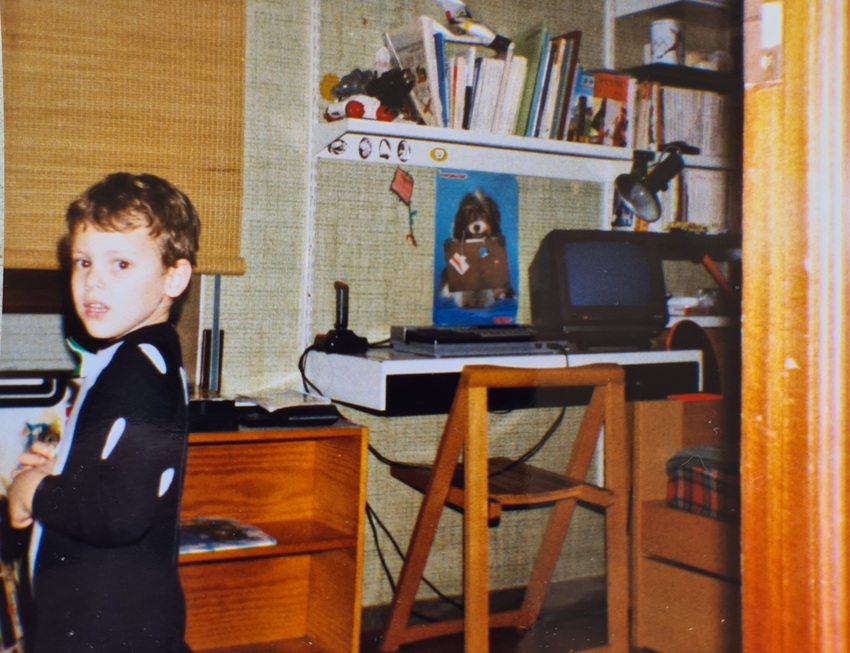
pixel 639 193
pixel 636 195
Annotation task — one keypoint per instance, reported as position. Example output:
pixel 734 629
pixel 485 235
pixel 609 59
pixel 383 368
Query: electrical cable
pixel 528 455
pixel 306 383
pixel 372 515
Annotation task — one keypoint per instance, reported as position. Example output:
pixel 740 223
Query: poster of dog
pixel 475 252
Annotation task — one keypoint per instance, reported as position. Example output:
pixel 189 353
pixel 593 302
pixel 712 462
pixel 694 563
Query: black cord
pixel 528 455
pixel 306 383
pixel 395 463
pixel 373 517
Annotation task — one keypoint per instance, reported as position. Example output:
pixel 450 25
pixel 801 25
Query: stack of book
pixel 537 88
pixel 702 119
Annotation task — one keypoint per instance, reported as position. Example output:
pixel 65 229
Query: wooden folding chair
pixel 483 495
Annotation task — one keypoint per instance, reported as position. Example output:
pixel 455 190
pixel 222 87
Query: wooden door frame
pixel 796 508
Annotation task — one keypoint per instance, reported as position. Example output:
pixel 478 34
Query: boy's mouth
pixel 95 309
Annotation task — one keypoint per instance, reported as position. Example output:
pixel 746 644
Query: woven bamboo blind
pixel 98 86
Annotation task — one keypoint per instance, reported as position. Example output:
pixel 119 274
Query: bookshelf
pixel 400 143
pixel 306 488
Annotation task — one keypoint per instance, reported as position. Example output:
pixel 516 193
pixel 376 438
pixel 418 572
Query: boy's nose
pixel 93 279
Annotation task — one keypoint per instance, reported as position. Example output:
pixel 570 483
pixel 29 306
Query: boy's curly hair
pixel 123 201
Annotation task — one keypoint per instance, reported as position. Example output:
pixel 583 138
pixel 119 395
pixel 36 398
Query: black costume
pixel 105 545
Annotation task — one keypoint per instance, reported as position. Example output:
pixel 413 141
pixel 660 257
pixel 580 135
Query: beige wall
pixel 358 237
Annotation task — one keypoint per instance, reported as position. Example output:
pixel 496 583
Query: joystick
pixel 340 339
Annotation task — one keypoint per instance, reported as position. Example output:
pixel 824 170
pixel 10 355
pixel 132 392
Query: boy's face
pixel 119 282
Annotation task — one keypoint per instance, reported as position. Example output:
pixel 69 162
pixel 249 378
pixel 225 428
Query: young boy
pixel 103 555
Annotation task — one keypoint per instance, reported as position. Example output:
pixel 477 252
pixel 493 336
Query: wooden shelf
pixel 293 538
pixel 628 7
pixel 299 645
pixel 434 147
pixel 689 77
pixel 306 488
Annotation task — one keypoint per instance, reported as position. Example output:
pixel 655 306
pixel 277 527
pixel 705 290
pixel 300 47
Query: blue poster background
pixel 451 188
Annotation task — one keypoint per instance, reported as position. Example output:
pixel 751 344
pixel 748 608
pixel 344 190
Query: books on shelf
pixel 532 44
pixel 498 84
pixel 700 118
pixel 549 92
pixel 552 64
pixel 204 534
pixel 513 80
pixel 566 84
pixel 603 110
pixel 463 81
pixel 537 88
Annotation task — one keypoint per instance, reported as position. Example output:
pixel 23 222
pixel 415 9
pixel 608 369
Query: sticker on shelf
pixel 365 148
pixel 439 154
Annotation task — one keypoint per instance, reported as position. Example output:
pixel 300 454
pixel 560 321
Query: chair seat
pixel 520 485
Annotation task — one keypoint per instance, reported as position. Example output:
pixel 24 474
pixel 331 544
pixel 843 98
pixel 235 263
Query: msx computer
pixel 597 289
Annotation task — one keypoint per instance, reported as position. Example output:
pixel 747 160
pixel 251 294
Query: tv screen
pixel 598 288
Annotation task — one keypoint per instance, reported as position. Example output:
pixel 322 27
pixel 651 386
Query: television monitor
pixel 598 288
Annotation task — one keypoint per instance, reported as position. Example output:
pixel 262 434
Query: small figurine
pixel 364 94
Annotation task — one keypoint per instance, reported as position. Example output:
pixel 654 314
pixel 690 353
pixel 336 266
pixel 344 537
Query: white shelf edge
pixel 629 7
pixel 437 147
pixel 333 130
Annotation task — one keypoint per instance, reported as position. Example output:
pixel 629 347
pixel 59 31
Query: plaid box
pixel 707 492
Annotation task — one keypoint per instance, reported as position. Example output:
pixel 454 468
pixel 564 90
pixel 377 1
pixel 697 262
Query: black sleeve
pixel 126 456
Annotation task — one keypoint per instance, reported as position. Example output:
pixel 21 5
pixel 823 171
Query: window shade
pixel 98 86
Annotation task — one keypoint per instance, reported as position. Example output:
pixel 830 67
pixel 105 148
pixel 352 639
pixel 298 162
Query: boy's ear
pixel 177 278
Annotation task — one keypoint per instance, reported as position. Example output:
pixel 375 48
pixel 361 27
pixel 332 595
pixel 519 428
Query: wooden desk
pixel 305 487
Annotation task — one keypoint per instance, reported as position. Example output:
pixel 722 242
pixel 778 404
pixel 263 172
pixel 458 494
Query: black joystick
pixel 340 339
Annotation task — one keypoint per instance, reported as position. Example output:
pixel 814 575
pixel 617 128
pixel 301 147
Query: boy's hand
pixel 21 493
pixel 40 456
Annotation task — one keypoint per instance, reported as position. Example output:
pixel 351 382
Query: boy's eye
pixel 122 265
pixel 81 263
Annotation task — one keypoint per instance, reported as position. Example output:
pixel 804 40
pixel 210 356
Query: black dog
pixel 476 273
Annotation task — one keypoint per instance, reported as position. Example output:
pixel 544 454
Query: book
pixel 442 76
pixel 507 117
pixel 432 66
pixel 578 122
pixel 612 109
pixel 567 87
pixel 464 79
pixel 646 116
pixel 533 44
pixel 550 96
pixel 507 56
pixel 203 534
pixel 487 80
pixel 408 50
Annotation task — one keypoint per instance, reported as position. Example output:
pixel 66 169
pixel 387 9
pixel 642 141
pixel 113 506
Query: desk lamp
pixel 639 192
pixel 638 189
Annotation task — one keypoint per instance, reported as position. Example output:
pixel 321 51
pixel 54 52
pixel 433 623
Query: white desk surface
pixel 361 379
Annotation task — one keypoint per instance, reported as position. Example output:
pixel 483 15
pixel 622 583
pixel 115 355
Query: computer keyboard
pixel 467 340
pixel 465 334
